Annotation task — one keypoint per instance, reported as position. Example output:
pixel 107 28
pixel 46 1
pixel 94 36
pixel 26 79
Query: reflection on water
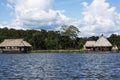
pixel 60 66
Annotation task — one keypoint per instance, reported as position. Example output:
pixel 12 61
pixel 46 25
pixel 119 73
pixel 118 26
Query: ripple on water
pixel 60 66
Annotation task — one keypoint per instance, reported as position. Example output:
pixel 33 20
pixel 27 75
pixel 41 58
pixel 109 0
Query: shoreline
pixel 69 51
pixel 61 50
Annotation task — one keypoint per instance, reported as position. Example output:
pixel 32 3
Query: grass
pixel 64 51
pixel 40 51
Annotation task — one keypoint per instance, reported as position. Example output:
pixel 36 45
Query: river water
pixel 60 66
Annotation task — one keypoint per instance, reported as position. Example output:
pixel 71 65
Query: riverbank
pixel 40 51
pixel 69 51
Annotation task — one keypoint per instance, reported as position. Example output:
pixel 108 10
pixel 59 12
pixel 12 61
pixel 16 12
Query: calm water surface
pixel 60 66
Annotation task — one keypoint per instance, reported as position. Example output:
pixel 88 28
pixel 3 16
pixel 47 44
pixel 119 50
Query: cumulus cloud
pixel 37 14
pixel 99 17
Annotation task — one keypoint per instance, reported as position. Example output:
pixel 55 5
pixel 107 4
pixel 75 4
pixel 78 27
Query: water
pixel 60 66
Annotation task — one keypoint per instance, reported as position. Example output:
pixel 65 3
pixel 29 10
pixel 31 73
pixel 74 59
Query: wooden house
pixel 15 45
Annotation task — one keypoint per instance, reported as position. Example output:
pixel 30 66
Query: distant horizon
pixel 91 17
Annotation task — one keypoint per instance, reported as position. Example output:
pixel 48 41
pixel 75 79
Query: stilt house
pixel 15 45
pixel 102 44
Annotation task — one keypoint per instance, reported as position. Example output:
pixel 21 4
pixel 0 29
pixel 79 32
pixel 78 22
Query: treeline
pixel 47 40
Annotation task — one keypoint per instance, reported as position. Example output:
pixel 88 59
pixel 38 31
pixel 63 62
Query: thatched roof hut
pixel 15 42
pixel 89 44
pixel 102 42
pixel 18 45
pixel 115 48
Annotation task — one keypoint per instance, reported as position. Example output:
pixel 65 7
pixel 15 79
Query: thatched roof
pixel 102 42
pixel 15 43
pixel 114 48
pixel 89 44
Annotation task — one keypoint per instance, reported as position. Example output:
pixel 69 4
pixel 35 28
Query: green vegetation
pixel 56 41
pixel 70 31
pixel 56 51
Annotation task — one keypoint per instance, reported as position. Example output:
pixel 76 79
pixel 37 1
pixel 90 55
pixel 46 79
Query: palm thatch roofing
pixel 15 43
pixel 102 41
pixel 89 44
pixel 114 48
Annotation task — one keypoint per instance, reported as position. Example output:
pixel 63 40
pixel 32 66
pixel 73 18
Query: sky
pixel 91 17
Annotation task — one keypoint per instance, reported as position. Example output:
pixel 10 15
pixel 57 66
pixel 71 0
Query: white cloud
pixel 37 14
pixel 1 26
pixel 99 18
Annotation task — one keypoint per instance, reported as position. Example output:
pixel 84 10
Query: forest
pixel 53 40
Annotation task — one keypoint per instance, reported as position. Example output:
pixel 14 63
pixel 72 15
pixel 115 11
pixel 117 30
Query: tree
pixel 39 40
pixel 115 40
pixel 70 31
pixel 52 40
pixel 69 34
pixel 93 38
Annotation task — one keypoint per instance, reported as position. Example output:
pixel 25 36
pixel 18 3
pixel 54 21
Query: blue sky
pixel 72 8
pixel 51 14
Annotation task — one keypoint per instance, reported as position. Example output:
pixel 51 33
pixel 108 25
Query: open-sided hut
pixel 115 49
pixel 102 44
pixel 15 45
pixel 89 45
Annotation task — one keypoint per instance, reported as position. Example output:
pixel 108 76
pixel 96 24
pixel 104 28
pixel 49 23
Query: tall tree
pixel 70 31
